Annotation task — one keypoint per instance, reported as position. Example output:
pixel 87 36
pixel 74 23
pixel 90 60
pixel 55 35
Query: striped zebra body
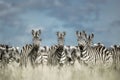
pixel 97 55
pixel 28 55
pixel 57 55
pixel 33 55
pixel 25 51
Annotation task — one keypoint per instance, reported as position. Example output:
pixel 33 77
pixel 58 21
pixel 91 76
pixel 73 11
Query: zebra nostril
pixel 69 59
pixel 81 47
pixel 18 60
pixel 78 58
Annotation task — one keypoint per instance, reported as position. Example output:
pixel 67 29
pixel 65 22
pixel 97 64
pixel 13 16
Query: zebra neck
pixel 60 49
pixel 34 51
pixel 35 48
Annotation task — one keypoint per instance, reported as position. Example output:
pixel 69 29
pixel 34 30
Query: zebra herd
pixel 86 52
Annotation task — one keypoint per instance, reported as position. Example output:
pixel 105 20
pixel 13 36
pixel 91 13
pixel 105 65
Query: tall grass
pixel 76 72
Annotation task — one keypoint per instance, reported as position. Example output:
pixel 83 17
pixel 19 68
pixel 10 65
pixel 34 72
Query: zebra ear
pixel 64 33
pixel 39 31
pixel 89 37
pixel 33 32
pixel 115 46
pixel 84 33
pixel 80 33
pixel 92 35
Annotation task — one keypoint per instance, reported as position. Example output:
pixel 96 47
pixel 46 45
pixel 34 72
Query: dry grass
pixel 76 72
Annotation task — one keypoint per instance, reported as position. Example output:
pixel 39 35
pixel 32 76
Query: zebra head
pixel 36 37
pixel 61 36
pixel 82 39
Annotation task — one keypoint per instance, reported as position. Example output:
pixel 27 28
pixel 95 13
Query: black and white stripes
pixel 60 54
pixel 8 54
pixel 93 55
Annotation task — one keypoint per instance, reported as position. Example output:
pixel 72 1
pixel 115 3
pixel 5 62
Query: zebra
pixel 24 54
pixel 72 54
pixel 115 51
pixel 14 55
pixel 29 52
pixel 43 55
pixel 93 55
pixel 57 54
pixel 9 54
pixel 4 56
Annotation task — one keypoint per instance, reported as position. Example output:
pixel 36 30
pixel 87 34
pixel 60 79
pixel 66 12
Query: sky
pixel 19 17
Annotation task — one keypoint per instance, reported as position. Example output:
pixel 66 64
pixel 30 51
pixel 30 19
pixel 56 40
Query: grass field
pixel 76 72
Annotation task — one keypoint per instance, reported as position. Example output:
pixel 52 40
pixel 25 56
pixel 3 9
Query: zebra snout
pixel 18 60
pixel 81 47
pixel 69 59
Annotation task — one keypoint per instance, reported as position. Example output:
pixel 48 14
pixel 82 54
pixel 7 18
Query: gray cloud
pixel 76 15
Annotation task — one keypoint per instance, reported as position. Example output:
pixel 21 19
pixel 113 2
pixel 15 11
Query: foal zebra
pixel 29 52
pixel 93 55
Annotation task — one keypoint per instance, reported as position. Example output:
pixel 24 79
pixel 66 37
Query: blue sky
pixel 19 17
